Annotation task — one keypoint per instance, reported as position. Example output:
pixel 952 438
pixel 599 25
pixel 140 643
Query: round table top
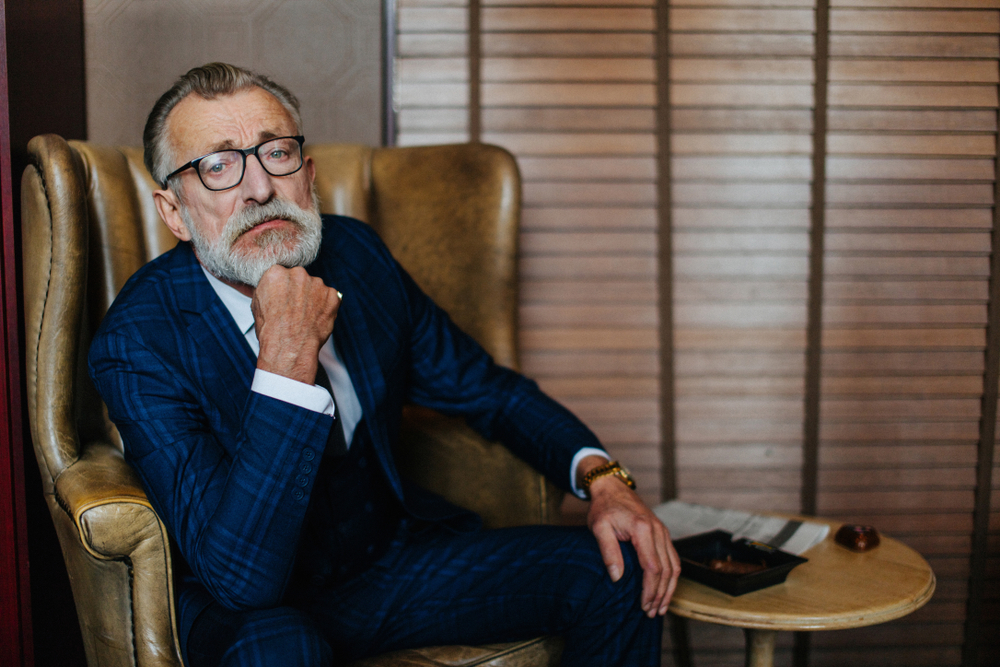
pixel 838 588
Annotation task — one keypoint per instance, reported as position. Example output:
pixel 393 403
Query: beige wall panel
pixel 326 51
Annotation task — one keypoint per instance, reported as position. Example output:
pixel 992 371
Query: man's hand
pixel 618 514
pixel 293 316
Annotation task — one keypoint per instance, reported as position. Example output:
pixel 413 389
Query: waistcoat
pixel 352 516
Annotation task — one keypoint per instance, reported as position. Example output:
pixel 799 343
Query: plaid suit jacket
pixel 230 471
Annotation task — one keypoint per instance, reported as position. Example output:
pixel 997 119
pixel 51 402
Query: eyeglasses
pixel 223 170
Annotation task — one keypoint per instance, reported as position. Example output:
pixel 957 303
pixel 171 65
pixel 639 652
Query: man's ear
pixel 310 169
pixel 168 206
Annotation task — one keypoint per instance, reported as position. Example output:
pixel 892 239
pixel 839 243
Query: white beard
pixel 297 247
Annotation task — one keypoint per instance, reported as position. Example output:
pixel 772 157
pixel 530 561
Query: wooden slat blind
pixel 912 122
pixel 432 72
pixel 741 92
pixel 569 88
pixel 908 207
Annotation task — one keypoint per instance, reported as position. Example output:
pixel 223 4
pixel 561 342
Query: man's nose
pixel 256 185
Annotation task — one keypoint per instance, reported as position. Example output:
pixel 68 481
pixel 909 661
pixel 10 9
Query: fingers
pixel 644 540
pixel 611 551
pixel 675 568
pixel 294 315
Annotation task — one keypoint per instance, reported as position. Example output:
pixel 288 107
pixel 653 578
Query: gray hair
pixel 209 82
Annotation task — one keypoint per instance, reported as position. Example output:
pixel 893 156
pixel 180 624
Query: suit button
pixel 302 481
pixel 298 494
pixel 369 508
pixel 305 467
pixel 362 462
pixel 308 454
pixel 370 549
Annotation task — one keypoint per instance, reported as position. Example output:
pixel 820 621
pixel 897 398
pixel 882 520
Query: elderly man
pixel 260 405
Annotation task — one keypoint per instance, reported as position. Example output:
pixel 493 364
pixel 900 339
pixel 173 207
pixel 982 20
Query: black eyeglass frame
pixel 244 152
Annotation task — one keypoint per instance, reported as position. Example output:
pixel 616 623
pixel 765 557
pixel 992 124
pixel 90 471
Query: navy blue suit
pixel 231 472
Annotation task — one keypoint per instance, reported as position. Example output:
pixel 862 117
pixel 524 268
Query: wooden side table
pixel 836 589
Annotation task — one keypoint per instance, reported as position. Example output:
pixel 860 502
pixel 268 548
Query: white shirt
pixel 313 397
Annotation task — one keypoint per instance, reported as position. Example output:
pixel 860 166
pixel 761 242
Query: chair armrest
pixel 102 494
pixel 115 526
pixel 444 455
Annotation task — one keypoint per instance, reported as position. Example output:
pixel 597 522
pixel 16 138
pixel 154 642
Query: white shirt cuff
pixel 308 396
pixel 580 455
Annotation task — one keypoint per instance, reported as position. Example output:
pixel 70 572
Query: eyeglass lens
pixel 224 169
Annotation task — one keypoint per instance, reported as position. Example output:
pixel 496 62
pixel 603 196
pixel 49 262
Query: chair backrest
pixel 448 213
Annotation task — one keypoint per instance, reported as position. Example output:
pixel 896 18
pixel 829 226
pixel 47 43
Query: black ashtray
pixel 716 560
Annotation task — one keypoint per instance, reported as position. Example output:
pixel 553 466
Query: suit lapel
pixel 351 335
pixel 221 355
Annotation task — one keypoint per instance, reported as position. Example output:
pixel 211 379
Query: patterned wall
pixel 327 52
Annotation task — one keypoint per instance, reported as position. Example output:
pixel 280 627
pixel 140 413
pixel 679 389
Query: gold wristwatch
pixel 609 468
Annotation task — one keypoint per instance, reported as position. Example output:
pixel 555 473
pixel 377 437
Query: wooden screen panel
pixel 431 91
pixel 741 90
pixel 569 88
pixel 910 190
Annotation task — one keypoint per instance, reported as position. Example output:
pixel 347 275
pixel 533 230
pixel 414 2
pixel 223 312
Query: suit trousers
pixel 434 587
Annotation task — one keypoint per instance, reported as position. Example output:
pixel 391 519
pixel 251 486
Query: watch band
pixel 609 468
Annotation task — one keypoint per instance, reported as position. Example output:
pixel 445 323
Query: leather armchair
pixel 448 213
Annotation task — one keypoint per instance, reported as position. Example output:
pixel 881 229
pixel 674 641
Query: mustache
pixel 249 217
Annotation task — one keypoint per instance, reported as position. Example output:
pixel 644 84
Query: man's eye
pixel 277 154
pixel 217 168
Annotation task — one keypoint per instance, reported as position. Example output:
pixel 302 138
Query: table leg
pixel 760 647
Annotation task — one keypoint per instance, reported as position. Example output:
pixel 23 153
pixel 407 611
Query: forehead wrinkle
pixel 219 113
pixel 229 144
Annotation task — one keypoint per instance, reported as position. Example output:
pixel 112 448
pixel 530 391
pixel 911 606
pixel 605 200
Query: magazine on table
pixel 790 535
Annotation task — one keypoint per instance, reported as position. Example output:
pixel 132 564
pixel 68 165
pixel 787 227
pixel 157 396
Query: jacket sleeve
pixel 453 374
pixel 235 509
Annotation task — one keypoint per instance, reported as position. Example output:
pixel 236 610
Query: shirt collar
pixel 237 304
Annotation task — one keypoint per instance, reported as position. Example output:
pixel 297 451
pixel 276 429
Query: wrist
pixel 600 476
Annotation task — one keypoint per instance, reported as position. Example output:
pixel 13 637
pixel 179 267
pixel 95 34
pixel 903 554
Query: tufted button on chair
pixel 448 213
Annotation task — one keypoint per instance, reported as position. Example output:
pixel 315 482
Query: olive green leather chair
pixel 448 213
